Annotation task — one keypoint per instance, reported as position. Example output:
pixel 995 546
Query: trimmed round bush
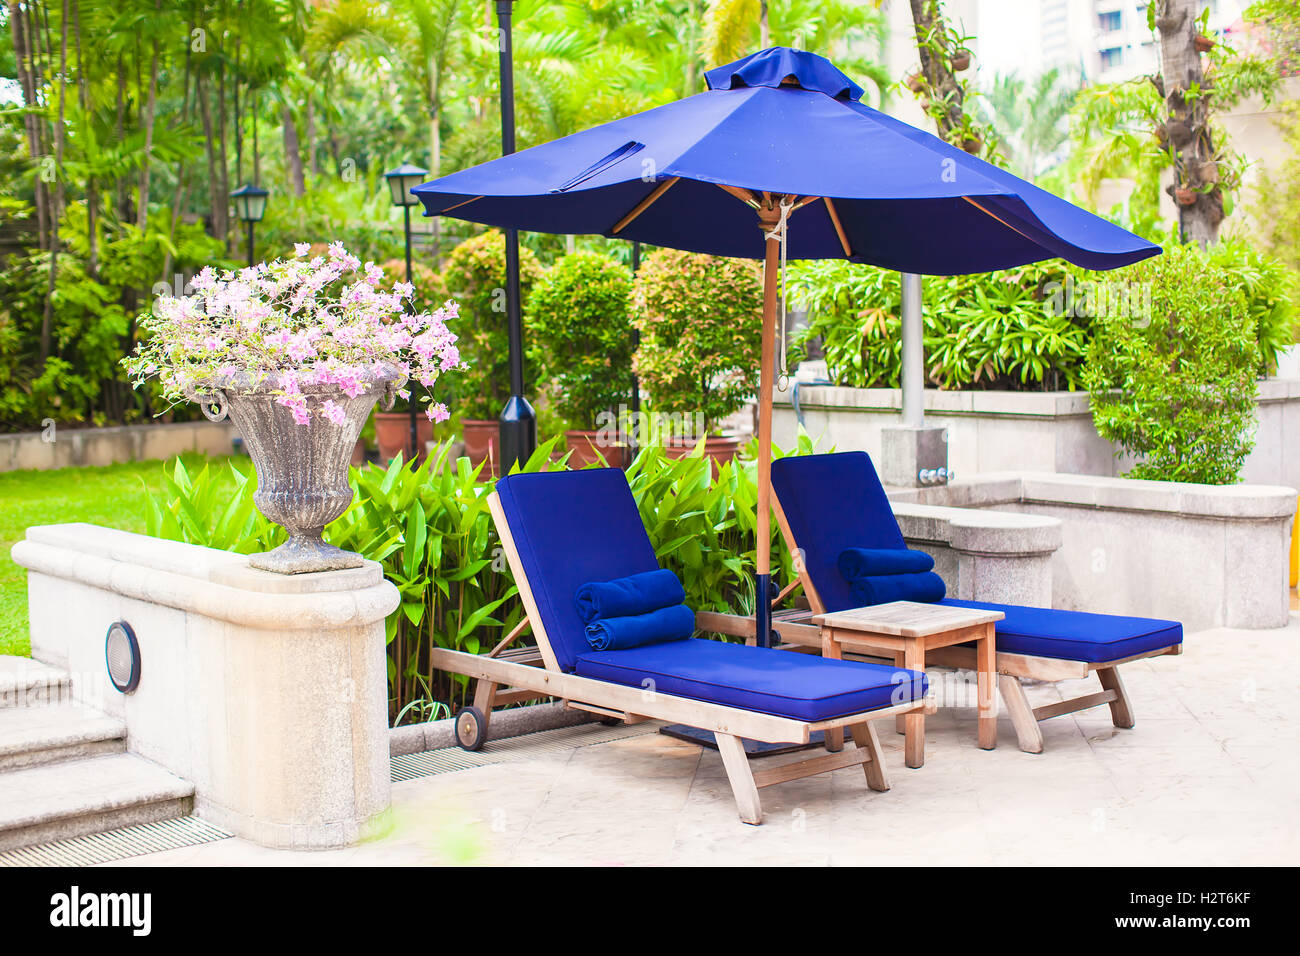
pixel 701 322
pixel 579 314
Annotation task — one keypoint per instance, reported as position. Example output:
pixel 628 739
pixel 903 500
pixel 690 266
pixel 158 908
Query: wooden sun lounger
pixel 526 673
pixel 799 631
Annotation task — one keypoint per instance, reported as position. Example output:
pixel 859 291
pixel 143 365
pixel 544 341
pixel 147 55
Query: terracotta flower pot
pixel 481 436
pixel 393 434
pixel 916 83
pixel 1184 196
pixel 960 62
pixel 1203 44
pixel 590 447
pixel 721 448
pixel 972 145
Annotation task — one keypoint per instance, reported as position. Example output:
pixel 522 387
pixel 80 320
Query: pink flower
pixel 437 412
pixel 334 412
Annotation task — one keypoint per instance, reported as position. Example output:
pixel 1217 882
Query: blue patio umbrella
pixel 780 149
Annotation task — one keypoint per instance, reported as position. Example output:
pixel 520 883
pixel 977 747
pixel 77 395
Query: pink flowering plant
pixel 294 328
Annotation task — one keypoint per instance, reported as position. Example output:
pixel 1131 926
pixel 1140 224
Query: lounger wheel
pixel 471 728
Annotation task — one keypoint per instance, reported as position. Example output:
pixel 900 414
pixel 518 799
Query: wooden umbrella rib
pixel 839 228
pixel 459 204
pixel 744 195
pixel 644 204
pixel 991 215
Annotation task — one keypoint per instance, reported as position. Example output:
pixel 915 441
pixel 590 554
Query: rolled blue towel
pixel 629 596
pixel 660 626
pixel 867 562
pixel 926 587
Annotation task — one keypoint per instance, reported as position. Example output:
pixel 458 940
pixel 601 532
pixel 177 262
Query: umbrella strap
pixel 779 232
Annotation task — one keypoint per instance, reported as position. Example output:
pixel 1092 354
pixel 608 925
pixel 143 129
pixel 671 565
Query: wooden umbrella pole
pixel 769 215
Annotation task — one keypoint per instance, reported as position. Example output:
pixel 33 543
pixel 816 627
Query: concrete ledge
pixel 1265 502
pixel 71 447
pixel 514 722
pixel 1205 555
pixel 186 577
pixel 979 532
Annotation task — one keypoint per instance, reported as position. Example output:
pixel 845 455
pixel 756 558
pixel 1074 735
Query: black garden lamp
pixel 250 206
pixel 400 181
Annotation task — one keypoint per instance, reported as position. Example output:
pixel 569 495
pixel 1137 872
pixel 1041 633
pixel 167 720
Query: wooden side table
pixel 906 630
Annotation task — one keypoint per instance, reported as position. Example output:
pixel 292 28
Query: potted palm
pixel 475 275
pixel 701 320
pixel 579 314
pixel 296 352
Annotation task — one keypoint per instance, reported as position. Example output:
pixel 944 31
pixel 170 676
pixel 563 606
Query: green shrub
pixel 475 276
pixel 701 320
pixel 431 530
pixel 992 330
pixel 578 314
pixel 1268 288
pixel 1178 391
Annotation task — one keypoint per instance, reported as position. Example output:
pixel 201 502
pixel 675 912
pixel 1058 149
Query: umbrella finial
pixel 781 66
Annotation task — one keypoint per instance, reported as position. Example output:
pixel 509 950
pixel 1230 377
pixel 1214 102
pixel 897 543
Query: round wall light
pixel 122 654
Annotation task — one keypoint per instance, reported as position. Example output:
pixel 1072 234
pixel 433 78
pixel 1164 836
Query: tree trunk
pixel 942 83
pixel 309 132
pixel 1187 130
pixel 151 103
pixel 23 59
pixel 764 31
pixel 92 188
pixel 47 319
pixel 293 153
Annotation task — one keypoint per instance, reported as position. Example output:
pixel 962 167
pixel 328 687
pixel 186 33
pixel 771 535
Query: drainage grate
pixel 451 759
pixel 117 844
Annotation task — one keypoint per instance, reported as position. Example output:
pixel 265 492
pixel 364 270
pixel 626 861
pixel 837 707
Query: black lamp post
pixel 400 181
pixel 518 422
pixel 250 206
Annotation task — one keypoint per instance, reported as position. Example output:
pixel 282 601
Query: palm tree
pixel 1029 117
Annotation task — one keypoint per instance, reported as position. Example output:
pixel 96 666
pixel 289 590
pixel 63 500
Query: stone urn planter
pixel 302 471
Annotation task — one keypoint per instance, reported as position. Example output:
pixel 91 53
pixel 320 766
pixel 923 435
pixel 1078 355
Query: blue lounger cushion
pixel 571 527
pixel 634 594
pixel 857 563
pixel 659 626
pixel 926 587
pixel 1077 635
pixel 782 683
pixel 834 502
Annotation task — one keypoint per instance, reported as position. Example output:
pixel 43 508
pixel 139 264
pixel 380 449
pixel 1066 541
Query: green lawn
pixel 112 496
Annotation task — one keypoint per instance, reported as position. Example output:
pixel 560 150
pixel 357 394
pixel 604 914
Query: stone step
pixel 30 736
pixel 26 683
pixel 74 798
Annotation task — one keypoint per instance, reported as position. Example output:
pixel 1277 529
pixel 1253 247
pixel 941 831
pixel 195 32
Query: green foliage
pixel 1277 209
pixel 700 319
pixel 991 330
pixel 1177 392
pixel 475 275
pixel 579 313
pixel 205 509
pixel 1268 290
pixel 431 530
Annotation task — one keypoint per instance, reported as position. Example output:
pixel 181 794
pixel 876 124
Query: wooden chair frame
pixel 801 633
pixel 535 672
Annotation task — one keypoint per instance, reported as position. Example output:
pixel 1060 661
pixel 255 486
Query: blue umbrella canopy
pixel 866 187
pixel 781 148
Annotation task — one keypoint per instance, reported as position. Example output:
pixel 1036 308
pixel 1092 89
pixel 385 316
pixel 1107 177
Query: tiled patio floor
pixel 1210 775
